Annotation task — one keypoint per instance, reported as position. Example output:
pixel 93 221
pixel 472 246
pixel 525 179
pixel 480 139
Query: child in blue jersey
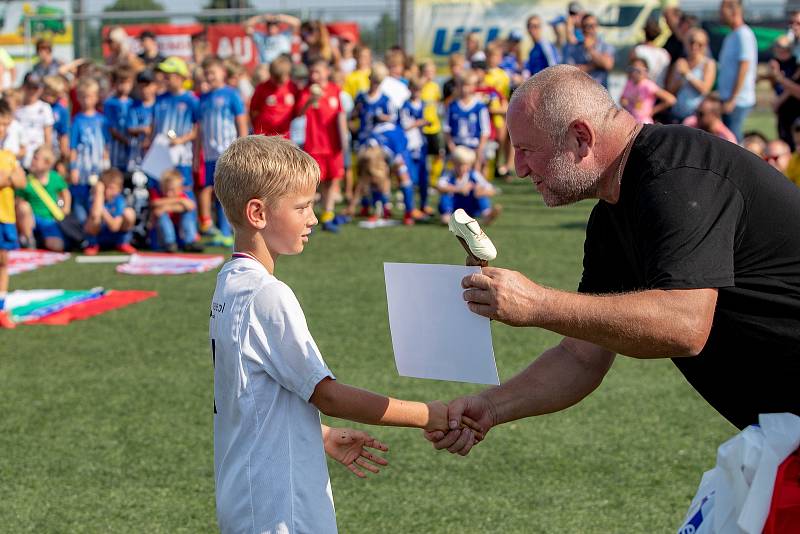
pixel 467 119
pixel 88 145
pixel 465 188
pixel 222 120
pixel 412 119
pixel 373 107
pixel 110 221
pixel 392 139
pixel 140 119
pixel 55 89
pixel 176 117
pixel 115 109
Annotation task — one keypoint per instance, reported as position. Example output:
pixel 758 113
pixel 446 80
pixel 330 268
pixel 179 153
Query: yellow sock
pixel 327 216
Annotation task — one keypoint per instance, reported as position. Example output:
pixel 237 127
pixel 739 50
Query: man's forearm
pixel 646 324
pixel 558 379
pixel 741 75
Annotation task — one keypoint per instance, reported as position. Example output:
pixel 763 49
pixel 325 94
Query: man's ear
pixel 584 136
pixel 256 213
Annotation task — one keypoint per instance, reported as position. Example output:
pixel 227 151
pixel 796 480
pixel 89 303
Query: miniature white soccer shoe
pixel 467 229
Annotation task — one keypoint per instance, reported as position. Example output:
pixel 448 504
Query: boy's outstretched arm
pixel 354 404
pixel 349 447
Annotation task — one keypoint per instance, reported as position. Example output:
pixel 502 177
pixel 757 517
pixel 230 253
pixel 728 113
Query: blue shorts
pixel 474 206
pixel 47 228
pixel 211 166
pixel 8 236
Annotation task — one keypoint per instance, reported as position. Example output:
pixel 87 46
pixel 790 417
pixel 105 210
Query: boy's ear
pixel 256 213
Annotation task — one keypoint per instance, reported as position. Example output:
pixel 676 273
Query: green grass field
pixel 107 423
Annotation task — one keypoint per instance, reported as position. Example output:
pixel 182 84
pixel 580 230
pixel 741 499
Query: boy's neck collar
pixel 253 247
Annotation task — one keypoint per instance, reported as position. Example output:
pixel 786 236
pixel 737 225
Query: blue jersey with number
pixel 88 137
pixel 466 125
pixel 368 109
pixel 179 114
pixel 139 114
pixel 218 111
pixel 115 110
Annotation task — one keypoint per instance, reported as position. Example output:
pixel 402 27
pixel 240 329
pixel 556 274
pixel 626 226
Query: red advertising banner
pixel 225 40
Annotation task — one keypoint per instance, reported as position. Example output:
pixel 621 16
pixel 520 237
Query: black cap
pixel 479 64
pixel 32 80
pixel 147 34
pixel 146 76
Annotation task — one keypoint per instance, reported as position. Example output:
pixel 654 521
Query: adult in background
pixel 692 77
pixel 47 65
pixel 568 28
pixel 684 258
pixel 675 44
pixel 708 117
pixel 786 106
pixel 657 58
pixel 276 40
pixel 778 155
pixel 593 55
pixel 120 53
pixel 543 53
pixel 738 61
pixel 150 54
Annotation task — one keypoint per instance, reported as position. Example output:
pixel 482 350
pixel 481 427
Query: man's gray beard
pixel 567 182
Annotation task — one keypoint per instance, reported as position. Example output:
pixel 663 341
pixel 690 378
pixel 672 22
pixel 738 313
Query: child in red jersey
pixel 326 135
pixel 272 105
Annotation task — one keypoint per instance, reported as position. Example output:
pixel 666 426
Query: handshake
pixel 460 425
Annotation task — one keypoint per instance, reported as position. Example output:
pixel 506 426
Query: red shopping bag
pixel 784 511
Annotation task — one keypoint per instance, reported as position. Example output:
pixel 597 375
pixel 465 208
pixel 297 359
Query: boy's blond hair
pixel 464 155
pixel 112 175
pixel 46 151
pixel 87 84
pixel 168 177
pixel 264 168
pixel 55 85
pixel 373 171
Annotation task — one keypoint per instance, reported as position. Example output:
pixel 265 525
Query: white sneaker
pixel 468 229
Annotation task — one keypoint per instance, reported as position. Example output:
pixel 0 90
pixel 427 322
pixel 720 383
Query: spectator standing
pixel 276 40
pixel 657 58
pixel 543 54
pixel 692 77
pixel 35 117
pixel 738 61
pixel 150 54
pixel 46 65
pixel 568 28
pixel 786 106
pixel 593 56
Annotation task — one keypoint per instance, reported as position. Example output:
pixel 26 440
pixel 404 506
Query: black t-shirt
pixel 696 211
pixel 675 48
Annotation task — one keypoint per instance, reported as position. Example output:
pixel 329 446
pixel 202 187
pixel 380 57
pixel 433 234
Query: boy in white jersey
pixel 270 381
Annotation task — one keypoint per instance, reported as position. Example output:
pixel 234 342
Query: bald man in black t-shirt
pixel 692 253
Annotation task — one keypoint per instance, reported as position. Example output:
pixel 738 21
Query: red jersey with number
pixel 322 120
pixel 272 107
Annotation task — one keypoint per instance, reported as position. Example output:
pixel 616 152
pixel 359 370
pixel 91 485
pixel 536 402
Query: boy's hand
pixel 349 447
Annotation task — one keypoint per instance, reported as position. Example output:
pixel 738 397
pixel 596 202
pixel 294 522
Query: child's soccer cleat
pixel 429 210
pixel 5 321
pixel 419 215
pixel 408 219
pixel 363 212
pixel 472 238
pixel 126 248
pixel 193 247
pixel 331 227
pixel 91 250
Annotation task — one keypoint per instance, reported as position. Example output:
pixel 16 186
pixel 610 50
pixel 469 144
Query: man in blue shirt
pixel 543 54
pixel 738 61
pixel 593 56
pixel 274 41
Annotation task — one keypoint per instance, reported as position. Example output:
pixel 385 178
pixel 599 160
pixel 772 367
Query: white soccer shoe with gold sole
pixel 472 238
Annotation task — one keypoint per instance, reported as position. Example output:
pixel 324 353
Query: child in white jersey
pixel 270 381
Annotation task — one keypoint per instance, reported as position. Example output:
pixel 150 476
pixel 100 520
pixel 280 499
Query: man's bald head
pixel 557 96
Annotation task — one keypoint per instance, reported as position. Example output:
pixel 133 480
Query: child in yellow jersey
pixel 793 168
pixel 499 80
pixel 11 177
pixel 431 95
pixel 358 80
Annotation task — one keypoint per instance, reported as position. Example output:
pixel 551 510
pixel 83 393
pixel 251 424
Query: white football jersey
pixel 269 461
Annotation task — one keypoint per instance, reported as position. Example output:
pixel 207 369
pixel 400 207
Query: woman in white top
pixel 693 77
pixel 656 57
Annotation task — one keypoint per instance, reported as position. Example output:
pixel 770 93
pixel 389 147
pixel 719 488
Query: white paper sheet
pixel 159 158
pixel 434 335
